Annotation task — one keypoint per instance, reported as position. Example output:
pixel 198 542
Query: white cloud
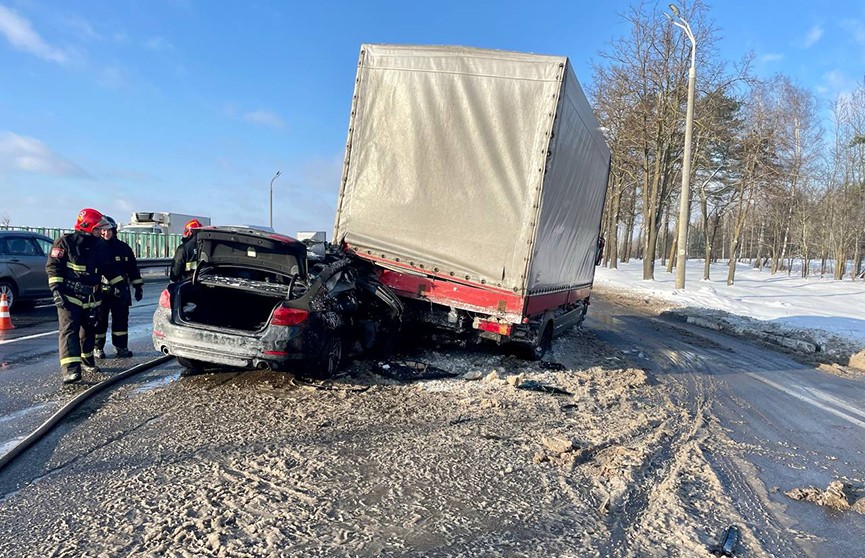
pixel 24 154
pixel 856 28
pixel 158 44
pixel 771 57
pixel 813 36
pixel 21 36
pixel 836 83
pixel 264 118
pixel 82 29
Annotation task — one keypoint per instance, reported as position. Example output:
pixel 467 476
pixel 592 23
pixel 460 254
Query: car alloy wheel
pixel 328 361
pixel 8 289
pixel 332 355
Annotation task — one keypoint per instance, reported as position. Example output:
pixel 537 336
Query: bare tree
pixel 641 92
pixel 758 164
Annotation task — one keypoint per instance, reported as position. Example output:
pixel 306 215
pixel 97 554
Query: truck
pixel 160 222
pixel 474 180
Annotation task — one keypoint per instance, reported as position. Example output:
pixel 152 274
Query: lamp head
pixel 675 9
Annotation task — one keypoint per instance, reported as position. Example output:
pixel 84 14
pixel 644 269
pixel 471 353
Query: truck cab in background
pixel 160 222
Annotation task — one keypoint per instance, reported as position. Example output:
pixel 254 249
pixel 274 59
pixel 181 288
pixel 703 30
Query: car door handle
pixel 14 260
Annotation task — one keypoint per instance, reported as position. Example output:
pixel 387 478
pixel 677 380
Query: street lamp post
pixel 684 213
pixel 275 176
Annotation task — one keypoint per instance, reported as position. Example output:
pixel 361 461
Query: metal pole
pixel 684 206
pixel 684 203
pixel 275 176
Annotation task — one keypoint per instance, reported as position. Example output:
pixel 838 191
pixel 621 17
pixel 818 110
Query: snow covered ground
pixel 829 313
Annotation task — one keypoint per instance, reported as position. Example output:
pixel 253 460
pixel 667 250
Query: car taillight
pixel 288 316
pixel 165 300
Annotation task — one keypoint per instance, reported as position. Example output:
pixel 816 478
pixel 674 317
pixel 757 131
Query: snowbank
pixel 806 315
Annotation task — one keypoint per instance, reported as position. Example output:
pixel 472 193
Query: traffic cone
pixel 5 316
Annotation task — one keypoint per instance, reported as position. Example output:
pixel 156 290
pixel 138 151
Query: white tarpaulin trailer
pixel 480 167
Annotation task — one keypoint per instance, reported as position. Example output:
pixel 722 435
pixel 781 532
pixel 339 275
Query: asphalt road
pixel 30 386
pixel 767 423
pixel 786 425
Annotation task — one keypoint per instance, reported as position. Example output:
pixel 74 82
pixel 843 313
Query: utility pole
pixel 275 176
pixel 684 205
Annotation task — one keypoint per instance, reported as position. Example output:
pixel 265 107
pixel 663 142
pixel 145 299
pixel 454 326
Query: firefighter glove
pixel 138 293
pixel 59 299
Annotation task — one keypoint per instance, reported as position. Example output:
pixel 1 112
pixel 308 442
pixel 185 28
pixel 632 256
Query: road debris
pixel 534 385
pixel 411 370
pixel 729 542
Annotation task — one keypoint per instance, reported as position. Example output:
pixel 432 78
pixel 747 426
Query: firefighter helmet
pixel 89 220
pixel 112 224
pixel 190 226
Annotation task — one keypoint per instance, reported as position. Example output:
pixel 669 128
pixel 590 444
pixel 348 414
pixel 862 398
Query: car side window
pixel 3 250
pixel 44 245
pixel 21 247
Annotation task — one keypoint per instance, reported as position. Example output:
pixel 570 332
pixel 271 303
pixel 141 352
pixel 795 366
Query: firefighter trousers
pixel 118 309
pixel 77 336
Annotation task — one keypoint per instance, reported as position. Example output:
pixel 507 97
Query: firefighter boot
pixel 71 375
pixel 98 353
pixel 90 368
pixel 123 352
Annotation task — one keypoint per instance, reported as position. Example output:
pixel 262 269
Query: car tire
pixel 190 366
pixel 11 291
pixel 328 360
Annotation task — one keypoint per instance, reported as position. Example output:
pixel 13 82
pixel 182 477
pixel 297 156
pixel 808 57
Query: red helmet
pixel 89 220
pixel 192 224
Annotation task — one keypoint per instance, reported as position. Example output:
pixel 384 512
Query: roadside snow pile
pixel 838 495
pixel 814 315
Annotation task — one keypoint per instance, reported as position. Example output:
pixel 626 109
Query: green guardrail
pixel 144 245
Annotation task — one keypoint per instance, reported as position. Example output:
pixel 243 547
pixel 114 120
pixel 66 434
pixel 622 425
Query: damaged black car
pixel 261 300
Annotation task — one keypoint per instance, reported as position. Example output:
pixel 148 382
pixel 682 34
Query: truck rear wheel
pixel 539 349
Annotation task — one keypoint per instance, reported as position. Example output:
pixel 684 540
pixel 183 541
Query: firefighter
pixel 116 299
pixel 75 266
pixel 185 257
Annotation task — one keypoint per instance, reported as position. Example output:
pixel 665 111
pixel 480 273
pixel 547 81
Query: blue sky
pixel 192 106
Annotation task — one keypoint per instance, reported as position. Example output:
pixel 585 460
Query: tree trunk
pixel 612 228
pixel 627 253
pixel 840 264
pixel 731 268
pixel 758 263
pixel 675 243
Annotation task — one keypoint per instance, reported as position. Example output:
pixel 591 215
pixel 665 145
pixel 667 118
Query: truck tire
pixel 545 341
pixel 583 312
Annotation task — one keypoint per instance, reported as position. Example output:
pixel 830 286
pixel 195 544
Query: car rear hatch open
pixel 242 276
pixel 249 248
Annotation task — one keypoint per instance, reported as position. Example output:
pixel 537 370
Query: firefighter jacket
pixel 185 259
pixel 125 263
pixel 76 265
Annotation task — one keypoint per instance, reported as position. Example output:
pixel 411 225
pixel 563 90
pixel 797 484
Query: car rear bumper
pixel 272 348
